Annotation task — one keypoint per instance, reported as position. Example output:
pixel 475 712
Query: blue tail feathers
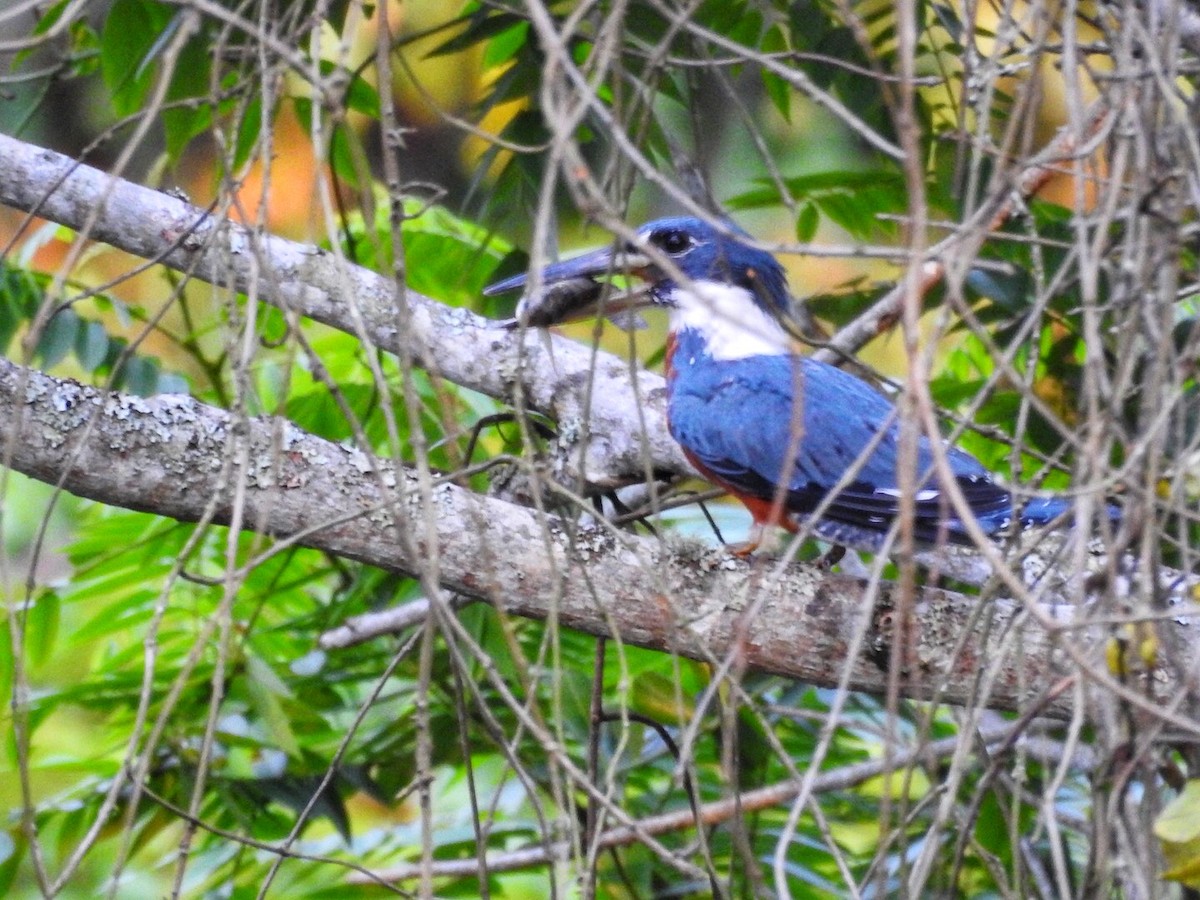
pixel 1044 510
pixel 1040 511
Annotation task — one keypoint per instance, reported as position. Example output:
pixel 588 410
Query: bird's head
pixel 705 273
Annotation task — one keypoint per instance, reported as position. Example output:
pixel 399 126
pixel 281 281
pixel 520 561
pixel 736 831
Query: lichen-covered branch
pixel 594 392
pixel 171 455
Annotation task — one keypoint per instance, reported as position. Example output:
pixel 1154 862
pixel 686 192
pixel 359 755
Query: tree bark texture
pixel 177 457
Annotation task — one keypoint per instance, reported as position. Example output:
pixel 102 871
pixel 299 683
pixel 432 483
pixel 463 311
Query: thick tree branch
pixel 166 455
pixel 169 455
pixel 588 393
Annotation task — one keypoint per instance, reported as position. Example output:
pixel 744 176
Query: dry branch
pixel 994 738
pixel 884 313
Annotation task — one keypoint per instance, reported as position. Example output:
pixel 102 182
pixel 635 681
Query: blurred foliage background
pixel 174 727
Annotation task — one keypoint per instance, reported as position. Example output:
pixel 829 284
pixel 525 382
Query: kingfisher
pixel 787 435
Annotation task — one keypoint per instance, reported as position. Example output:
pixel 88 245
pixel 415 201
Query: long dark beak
pixel 570 289
pixel 592 265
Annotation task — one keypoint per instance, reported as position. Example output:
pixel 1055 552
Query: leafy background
pixel 135 648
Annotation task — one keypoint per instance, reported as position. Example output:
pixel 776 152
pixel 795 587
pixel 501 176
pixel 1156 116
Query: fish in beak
pixel 571 290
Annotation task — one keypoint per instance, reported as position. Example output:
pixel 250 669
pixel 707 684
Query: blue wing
pixel 735 418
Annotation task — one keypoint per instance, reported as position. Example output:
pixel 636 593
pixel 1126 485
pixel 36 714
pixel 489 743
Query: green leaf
pixel 129 606
pixel 85 49
pixel 266 695
pixel 41 625
pixel 138 375
pixel 303 109
pixel 49 17
pixel 480 26
pixel 132 31
pixel 12 851
pixel 82 39
pixel 187 115
pixel 806 223
pixel 360 95
pixel 852 199
pixel 58 337
pixel 317 410
pixel 506 44
pixel 91 345
pixel 948 17
pixel 1011 289
pixel 739 22
pixel 173 383
pixel 249 128
pixel 457 257
pixel 10 317
pixel 779 92
pixel 346 155
pixel 842 306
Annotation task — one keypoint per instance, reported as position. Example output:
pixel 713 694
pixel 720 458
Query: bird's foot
pixel 832 557
pixel 745 548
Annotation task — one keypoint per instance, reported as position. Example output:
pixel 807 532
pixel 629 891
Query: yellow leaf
pixel 1178 827
pixel 1180 819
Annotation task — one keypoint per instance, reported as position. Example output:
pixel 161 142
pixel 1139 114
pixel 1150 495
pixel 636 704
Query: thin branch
pixel 841 779
pixel 885 312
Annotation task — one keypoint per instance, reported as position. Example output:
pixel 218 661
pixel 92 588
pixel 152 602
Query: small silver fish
pixel 576 298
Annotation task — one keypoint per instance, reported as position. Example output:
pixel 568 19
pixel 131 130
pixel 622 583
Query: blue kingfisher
pixel 783 433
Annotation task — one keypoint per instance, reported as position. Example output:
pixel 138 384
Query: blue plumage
pixel 779 430
pixel 759 423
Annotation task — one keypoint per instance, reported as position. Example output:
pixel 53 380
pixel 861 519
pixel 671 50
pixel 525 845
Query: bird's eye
pixel 673 242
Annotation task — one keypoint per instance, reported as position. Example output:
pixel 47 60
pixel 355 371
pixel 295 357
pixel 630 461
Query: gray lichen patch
pixel 455 319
